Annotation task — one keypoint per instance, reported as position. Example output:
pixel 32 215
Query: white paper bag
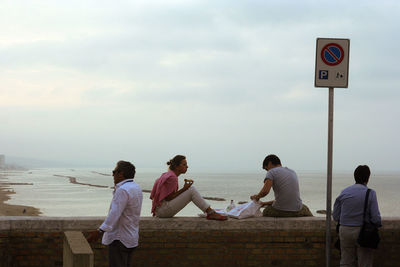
pixel 247 210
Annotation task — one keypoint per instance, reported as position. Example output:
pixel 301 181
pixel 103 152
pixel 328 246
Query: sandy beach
pixel 13 210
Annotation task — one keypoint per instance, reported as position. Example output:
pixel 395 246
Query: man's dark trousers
pixel 119 255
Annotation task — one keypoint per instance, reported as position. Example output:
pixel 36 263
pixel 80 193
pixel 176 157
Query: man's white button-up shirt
pixel 122 222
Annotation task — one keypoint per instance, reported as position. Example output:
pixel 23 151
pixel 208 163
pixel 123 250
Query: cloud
pixel 225 81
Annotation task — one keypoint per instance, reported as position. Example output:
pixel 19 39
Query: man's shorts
pixel 270 211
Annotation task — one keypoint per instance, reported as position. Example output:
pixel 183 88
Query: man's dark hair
pixel 273 159
pixel 128 169
pixel 361 174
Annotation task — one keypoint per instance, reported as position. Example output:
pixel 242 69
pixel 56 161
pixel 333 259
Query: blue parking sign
pixel 323 75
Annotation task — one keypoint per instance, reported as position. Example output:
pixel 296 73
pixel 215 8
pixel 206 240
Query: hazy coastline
pixel 13 210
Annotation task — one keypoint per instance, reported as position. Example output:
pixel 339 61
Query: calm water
pixel 52 192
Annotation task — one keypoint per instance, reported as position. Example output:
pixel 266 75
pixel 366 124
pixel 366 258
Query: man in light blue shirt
pixel 348 211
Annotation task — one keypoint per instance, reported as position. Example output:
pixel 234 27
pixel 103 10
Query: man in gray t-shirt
pixel 286 188
pixel 285 184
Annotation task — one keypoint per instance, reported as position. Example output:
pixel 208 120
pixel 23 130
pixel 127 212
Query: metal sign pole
pixel 329 180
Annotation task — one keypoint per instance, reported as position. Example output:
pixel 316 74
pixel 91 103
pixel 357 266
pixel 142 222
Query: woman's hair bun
pixel 174 162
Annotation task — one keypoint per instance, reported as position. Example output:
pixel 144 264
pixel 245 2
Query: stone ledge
pixel 57 224
pixel 76 243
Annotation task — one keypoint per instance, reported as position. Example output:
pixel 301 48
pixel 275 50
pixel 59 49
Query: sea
pixel 66 192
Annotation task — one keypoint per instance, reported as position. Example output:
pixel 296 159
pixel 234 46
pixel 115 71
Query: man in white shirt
pixel 121 227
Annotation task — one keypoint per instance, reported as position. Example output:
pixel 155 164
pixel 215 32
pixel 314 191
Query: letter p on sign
pixel 323 75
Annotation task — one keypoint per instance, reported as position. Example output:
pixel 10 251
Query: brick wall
pixel 37 241
pixel 232 248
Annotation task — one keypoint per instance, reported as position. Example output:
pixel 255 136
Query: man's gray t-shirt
pixel 286 189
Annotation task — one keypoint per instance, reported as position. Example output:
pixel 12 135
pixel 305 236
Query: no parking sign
pixel 332 62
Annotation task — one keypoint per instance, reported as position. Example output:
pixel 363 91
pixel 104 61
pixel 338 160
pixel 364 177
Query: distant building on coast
pixel 2 162
pixel 12 166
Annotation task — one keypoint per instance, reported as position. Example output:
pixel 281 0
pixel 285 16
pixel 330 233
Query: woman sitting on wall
pixel 168 200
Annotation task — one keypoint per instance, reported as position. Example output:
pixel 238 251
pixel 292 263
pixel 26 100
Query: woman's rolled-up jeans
pixel 170 208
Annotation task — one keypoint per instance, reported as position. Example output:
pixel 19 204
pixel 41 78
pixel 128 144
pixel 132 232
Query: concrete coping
pixel 57 224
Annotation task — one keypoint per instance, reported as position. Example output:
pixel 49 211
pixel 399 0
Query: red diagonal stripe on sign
pixel 333 55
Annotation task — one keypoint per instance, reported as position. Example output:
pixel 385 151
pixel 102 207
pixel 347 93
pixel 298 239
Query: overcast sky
pixel 223 82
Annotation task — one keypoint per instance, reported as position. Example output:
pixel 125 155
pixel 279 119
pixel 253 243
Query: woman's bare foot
pixel 216 216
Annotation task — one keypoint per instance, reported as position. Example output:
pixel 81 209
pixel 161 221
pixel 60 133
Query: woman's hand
pixel 188 183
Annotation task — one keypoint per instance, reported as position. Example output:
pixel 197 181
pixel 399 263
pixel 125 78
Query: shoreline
pixel 13 210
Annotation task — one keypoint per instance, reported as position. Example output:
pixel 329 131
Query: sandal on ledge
pixel 216 216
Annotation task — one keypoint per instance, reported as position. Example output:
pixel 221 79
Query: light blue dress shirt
pixel 349 206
